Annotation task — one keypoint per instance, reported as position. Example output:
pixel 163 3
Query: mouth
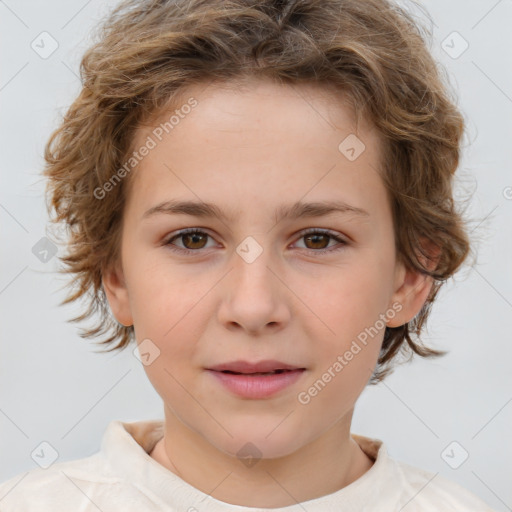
pixel 266 367
pixel 255 374
pixel 256 381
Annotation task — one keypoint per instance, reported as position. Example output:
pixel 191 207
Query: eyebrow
pixel 294 211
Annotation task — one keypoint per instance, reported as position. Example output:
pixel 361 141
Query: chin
pixel 262 441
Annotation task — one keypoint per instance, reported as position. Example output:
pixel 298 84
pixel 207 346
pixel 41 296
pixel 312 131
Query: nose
pixel 253 296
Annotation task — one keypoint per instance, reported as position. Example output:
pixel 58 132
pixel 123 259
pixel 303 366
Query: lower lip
pixel 257 386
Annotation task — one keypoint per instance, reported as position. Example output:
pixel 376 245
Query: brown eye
pixel 318 240
pixel 192 240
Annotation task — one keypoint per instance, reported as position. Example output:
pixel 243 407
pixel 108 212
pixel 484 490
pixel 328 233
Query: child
pixel 261 129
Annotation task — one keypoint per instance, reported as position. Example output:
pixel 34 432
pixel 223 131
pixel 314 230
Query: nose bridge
pixel 252 297
pixel 253 263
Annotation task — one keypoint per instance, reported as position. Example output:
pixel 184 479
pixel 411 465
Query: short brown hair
pixel 149 51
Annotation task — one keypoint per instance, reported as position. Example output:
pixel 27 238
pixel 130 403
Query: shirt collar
pixel 127 446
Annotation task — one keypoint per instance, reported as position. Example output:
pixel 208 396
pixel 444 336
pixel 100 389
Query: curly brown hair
pixel 150 51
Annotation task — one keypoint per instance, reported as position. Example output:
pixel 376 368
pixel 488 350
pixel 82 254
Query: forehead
pixel 258 106
pixel 245 139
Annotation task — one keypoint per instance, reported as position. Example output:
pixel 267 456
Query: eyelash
pixel 302 234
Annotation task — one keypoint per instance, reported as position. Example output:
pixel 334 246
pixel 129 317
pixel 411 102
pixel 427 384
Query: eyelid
pixel 185 231
pixel 334 235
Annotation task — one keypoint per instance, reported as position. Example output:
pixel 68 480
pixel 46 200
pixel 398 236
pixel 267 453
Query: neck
pixel 329 463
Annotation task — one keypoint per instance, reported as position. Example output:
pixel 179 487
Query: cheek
pixel 159 294
pixel 348 352
pixel 351 298
pixel 167 308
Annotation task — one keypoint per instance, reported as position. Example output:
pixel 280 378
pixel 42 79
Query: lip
pixel 257 386
pixel 241 366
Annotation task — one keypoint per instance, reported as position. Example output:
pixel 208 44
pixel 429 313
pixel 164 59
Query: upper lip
pixel 268 365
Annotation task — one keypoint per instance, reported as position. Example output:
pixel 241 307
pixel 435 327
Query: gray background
pixel 55 388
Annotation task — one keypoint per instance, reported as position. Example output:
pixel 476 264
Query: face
pixel 253 284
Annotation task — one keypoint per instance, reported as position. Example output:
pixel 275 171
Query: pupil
pixel 315 238
pixel 194 237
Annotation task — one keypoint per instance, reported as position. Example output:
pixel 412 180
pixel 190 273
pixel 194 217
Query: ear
pixel 117 294
pixel 411 287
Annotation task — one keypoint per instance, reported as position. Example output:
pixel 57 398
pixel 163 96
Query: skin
pixel 249 151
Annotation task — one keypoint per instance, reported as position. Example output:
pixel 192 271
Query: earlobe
pixel 411 295
pixel 412 289
pixel 117 295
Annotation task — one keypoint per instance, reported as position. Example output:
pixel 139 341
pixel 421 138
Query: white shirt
pixel 123 477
